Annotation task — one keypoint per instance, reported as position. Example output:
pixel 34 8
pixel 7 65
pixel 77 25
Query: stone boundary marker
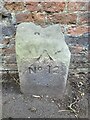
pixel 43 59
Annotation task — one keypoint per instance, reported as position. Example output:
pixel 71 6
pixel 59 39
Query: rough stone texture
pixel 1 36
pixel 8 30
pixel 43 59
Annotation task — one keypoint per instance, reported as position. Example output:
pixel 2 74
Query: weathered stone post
pixel 43 59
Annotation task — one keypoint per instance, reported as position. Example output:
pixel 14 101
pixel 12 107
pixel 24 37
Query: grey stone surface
pixel 80 40
pixel 2 46
pixel 8 30
pixel 1 36
pixel 43 59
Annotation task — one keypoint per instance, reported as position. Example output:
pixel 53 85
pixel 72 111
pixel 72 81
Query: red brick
pixel 78 30
pixel 31 17
pixel 14 6
pixel 32 6
pixel 63 18
pixel 38 18
pixel 23 17
pixel 8 50
pixel 53 6
pixel 77 6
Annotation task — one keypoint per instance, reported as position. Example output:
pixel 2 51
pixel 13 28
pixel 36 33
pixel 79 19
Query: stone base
pixel 43 78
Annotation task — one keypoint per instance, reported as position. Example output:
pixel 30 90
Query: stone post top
pixel 52 31
pixel 33 40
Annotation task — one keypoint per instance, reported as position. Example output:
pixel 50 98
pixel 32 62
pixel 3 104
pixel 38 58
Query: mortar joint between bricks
pixel 66 7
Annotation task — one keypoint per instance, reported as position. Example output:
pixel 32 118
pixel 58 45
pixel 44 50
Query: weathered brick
pixel 14 6
pixel 11 50
pixel 77 49
pixel 24 17
pixel 10 59
pixel 63 18
pixel 33 6
pixel 45 6
pixel 9 66
pixel 78 30
pixel 72 6
pixel 31 17
pixel 77 6
pixel 5 41
pixel 84 17
pixel 53 6
pixel 38 18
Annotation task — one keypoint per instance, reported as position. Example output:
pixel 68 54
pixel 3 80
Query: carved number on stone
pixel 56 69
pixel 51 69
pixel 32 69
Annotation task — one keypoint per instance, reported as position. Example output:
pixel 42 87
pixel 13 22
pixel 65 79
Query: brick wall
pixel 73 17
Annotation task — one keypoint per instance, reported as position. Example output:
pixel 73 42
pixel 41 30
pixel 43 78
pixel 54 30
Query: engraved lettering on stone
pixel 50 69
pixel 32 69
pixel 56 69
pixel 39 68
pixel 58 51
